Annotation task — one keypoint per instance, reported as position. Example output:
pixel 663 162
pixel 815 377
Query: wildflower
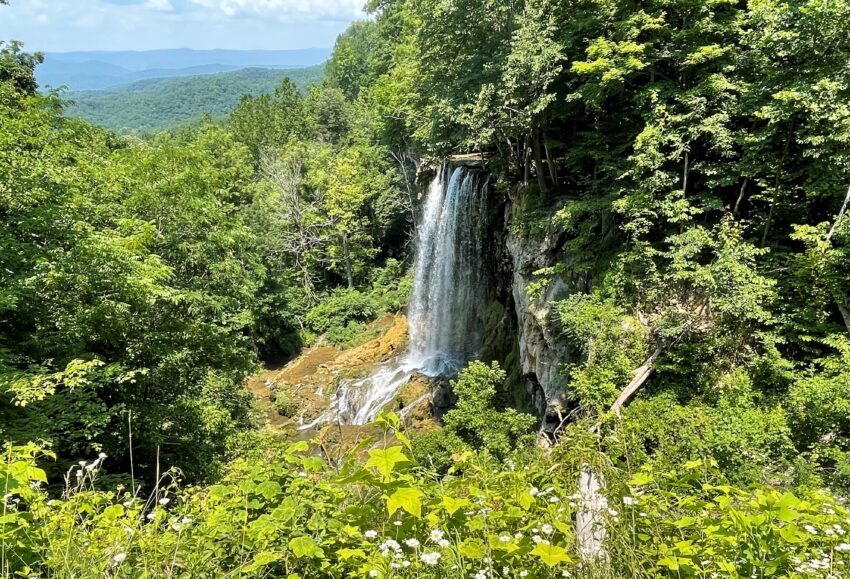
pixel 523 573
pixel 843 547
pixel 128 504
pixel 554 499
pixel 505 538
pixel 547 529
pixel 119 558
pixel 302 474
pixel 811 529
pixel 405 563
pixel 534 491
pixel 186 521
pixel 629 501
pixel 373 573
pixel 151 515
pixel 370 534
pixel 444 543
pixel 430 558
pixel 82 463
pixel 481 575
pixel 436 535
pixel 518 535
pixel 101 456
pixel 488 560
pixel 412 543
pixel 164 502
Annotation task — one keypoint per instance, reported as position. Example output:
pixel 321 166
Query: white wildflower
pixel 430 558
pixel 119 558
pixel 445 544
pixel 373 573
pixel 436 535
pixel 164 502
pixel 629 501
pixel 505 538
pixel 370 534
pixel 547 529
pixel 412 543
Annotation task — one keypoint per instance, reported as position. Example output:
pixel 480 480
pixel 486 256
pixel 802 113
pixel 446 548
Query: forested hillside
pixel 644 207
pixel 162 103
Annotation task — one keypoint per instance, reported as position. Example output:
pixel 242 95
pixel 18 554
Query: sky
pixel 67 25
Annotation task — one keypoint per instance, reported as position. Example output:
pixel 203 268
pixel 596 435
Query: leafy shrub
pixel 611 343
pixel 340 309
pixel 282 511
pixel 476 421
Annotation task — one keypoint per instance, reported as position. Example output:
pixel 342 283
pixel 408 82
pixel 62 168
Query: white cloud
pixel 160 5
pixel 285 8
pixel 41 18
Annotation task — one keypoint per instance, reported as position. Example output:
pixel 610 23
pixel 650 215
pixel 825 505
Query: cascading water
pixel 445 311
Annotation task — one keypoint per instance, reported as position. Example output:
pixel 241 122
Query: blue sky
pixel 63 25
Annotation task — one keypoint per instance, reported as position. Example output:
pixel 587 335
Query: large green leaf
pixel 306 547
pixel 407 498
pixel 384 460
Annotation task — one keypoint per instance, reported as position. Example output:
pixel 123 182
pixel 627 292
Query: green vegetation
pixel 679 169
pixel 162 103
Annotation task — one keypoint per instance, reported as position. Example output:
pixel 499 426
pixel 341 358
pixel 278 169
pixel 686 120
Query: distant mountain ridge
pixel 154 104
pixel 94 70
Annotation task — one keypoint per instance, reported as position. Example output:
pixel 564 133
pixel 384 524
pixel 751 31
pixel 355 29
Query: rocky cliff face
pixel 533 243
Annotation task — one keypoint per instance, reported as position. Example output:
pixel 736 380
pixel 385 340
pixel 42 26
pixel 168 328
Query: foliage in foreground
pixel 284 511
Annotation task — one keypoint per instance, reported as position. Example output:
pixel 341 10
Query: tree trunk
pixel 642 374
pixel 845 315
pixel 776 183
pixel 740 199
pixel 840 215
pixel 685 176
pixel 538 161
pixel 553 170
pixel 590 517
pixel 347 256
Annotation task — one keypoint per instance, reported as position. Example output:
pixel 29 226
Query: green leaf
pixel 453 505
pixel 269 489
pixel 350 553
pixel 471 548
pixel 551 555
pixel 408 498
pixel 262 559
pixel 306 547
pixel 791 533
pixel 385 460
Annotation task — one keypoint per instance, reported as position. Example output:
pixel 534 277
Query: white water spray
pixel 445 311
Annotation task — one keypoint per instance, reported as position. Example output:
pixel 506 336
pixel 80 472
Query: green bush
pixel 282 511
pixel 476 421
pixel 339 310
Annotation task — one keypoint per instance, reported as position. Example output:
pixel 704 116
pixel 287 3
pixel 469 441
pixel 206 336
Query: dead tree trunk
pixel 840 215
pixel 590 517
pixel 642 374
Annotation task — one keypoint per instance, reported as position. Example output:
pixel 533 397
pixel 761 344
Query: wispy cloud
pixel 160 5
pixel 284 8
pixel 142 24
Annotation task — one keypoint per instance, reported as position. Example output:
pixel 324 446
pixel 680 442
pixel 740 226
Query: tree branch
pixel 642 374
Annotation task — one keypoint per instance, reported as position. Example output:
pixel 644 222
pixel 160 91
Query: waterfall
pixel 445 312
pixel 445 307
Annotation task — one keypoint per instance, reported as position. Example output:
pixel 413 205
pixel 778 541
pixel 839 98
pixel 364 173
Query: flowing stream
pixel 445 310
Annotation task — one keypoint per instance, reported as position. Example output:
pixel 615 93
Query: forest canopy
pixel 673 179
